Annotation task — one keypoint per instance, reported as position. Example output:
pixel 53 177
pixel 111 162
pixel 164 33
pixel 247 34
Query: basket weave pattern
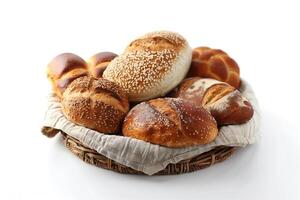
pixel 199 162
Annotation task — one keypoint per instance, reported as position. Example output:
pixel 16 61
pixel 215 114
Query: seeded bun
pixel 96 104
pixel 151 65
pixel 170 122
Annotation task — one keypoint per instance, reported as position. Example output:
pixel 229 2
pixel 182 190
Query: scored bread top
pixel 202 91
pixel 95 103
pixel 233 108
pixel 146 62
pixel 157 41
pixel 170 122
pixel 86 86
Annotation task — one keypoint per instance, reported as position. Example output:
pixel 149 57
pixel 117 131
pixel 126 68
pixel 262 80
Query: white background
pixel 262 36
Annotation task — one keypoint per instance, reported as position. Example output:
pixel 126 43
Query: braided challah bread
pixel 151 66
pixel 225 103
pixel 170 122
pixel 216 64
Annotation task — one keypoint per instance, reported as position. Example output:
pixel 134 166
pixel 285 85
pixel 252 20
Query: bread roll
pixel 98 63
pixel 170 122
pixel 151 65
pixel 225 103
pixel 216 64
pixel 63 69
pixel 95 103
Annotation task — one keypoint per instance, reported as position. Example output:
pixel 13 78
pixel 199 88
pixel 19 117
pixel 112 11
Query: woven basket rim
pixel 198 162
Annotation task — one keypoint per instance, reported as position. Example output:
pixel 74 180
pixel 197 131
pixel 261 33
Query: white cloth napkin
pixel 147 157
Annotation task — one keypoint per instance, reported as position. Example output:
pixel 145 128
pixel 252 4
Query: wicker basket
pixel 201 161
pixel 90 156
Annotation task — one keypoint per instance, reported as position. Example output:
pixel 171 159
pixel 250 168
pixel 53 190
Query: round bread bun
pixel 98 63
pixel 151 65
pixel 63 69
pixel 170 122
pixel 97 104
pixel 216 64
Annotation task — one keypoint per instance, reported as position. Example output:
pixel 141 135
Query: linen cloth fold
pixel 144 156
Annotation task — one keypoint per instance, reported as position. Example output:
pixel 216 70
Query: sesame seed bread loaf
pixel 151 65
pixel 170 122
pixel 98 104
pixel 63 69
pixel 224 102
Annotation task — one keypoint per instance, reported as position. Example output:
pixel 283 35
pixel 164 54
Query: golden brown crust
pixel 95 103
pixel 147 63
pixel 233 108
pixel 65 80
pixel 63 69
pixel 201 91
pixel 66 67
pixel 170 122
pixel 158 41
pixel 216 64
pixel 226 104
pixel 98 63
pixel 64 63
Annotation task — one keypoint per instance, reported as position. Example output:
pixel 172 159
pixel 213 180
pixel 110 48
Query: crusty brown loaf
pixel 170 122
pixel 231 109
pixel 98 63
pixel 225 103
pixel 151 65
pixel 216 64
pixel 63 69
pixel 95 103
